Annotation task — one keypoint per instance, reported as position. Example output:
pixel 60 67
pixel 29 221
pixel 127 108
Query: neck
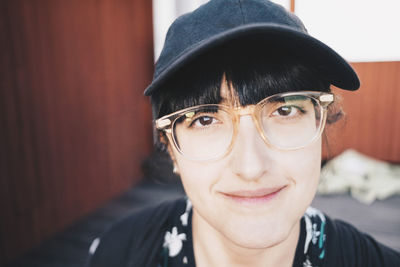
pixel 211 248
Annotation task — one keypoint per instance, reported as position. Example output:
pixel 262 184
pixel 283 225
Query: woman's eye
pixel 204 121
pixel 286 111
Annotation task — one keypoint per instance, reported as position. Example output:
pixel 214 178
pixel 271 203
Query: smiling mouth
pixel 258 196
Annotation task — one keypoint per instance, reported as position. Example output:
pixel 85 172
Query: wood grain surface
pixel 74 124
pixel 372 121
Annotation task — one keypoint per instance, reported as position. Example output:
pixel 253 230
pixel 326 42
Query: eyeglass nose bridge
pixel 241 111
pixel 249 110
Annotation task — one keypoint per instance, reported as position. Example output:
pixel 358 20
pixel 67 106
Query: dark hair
pixel 254 73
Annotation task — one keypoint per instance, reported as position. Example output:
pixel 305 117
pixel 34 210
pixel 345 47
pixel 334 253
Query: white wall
pixel 165 12
pixel 359 30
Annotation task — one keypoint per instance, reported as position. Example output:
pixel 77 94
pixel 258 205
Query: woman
pixel 240 96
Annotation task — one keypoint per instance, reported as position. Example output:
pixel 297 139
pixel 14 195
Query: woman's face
pixel 256 194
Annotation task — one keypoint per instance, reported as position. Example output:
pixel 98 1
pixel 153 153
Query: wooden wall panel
pixel 74 124
pixel 372 121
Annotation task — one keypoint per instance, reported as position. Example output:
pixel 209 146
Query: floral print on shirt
pixel 314 247
pixel 175 240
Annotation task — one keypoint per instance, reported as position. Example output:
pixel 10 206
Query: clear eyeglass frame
pixel 323 99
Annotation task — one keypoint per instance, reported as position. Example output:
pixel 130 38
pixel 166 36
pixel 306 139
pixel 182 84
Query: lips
pixel 257 196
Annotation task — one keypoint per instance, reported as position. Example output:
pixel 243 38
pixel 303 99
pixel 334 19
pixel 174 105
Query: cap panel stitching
pixel 241 11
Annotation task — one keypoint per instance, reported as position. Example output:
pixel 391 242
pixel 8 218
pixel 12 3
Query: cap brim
pixel 334 67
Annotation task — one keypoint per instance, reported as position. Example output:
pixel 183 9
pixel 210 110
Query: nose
pixel 249 158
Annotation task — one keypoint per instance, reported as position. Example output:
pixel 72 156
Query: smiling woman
pixel 240 97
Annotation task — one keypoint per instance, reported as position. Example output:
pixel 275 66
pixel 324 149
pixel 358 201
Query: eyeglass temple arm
pixel 326 99
pixel 161 124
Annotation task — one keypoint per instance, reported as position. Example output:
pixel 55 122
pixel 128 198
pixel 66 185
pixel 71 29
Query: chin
pixel 259 236
pixel 262 241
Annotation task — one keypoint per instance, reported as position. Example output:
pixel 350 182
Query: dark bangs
pixel 254 74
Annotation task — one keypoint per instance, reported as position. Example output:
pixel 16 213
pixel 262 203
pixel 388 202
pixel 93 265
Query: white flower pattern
pixel 315 234
pixel 185 216
pixel 173 241
pixel 307 263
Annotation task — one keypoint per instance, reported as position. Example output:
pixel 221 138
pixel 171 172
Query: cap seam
pixel 241 11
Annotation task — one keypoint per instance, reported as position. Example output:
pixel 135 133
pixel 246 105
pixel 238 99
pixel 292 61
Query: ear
pixel 175 169
pixel 168 144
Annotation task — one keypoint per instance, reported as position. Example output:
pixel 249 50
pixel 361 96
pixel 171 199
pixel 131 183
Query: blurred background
pixel 75 127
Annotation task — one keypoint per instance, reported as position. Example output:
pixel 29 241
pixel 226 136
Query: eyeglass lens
pixel 291 122
pixel 287 122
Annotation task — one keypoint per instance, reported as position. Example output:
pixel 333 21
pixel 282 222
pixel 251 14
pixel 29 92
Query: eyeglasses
pixel 286 121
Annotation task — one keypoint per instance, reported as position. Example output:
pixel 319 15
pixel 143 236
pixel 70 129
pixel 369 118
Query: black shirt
pixel 161 237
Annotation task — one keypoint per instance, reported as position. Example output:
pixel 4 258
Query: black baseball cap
pixel 220 22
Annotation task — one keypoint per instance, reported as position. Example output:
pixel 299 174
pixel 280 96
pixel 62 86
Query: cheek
pixel 198 178
pixel 304 171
